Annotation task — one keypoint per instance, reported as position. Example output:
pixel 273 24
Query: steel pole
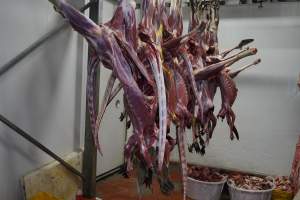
pixel 89 165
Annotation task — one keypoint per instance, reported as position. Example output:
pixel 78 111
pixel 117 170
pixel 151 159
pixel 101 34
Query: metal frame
pixel 88 175
pixel 89 165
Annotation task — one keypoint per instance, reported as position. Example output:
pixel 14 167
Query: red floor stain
pixel 120 188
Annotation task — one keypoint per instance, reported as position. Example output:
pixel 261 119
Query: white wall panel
pixel 112 130
pixel 41 94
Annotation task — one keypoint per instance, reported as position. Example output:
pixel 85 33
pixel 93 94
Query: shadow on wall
pixel 6 141
pixel 31 105
pixel 50 75
pixel 41 91
pixel 79 92
pixel 9 161
pixel 38 93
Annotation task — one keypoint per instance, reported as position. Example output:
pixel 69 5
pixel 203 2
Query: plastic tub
pixel 202 190
pixel 243 194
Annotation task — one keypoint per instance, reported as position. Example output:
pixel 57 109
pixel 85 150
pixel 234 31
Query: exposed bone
pixel 239 46
pixel 237 72
pixel 114 93
pixel 104 104
pixel 214 69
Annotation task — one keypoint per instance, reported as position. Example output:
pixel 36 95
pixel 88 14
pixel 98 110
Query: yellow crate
pixel 44 196
pixel 281 195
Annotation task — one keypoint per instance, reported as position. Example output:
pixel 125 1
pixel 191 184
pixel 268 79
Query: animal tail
pixel 91 102
pixel 103 107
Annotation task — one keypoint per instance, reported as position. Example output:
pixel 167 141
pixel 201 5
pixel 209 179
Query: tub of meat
pixel 246 187
pixel 205 183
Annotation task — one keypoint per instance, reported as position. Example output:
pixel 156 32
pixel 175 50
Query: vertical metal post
pixel 89 165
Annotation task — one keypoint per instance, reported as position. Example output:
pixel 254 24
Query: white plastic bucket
pixel 243 194
pixel 202 190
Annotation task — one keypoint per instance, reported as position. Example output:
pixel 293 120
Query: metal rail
pixel 16 60
pixel 119 169
pixel 38 43
pixel 40 146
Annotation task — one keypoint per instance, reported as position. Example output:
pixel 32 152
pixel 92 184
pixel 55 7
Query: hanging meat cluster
pixel 167 77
